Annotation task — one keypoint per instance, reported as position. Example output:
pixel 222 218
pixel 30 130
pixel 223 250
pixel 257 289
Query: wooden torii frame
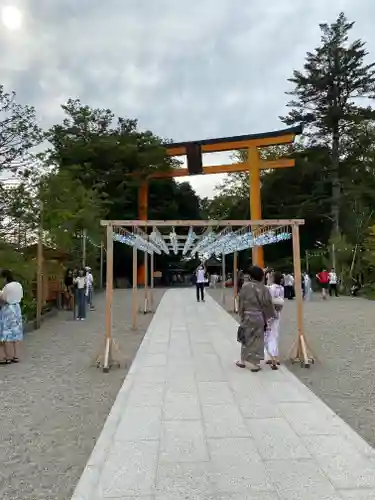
pixel 300 348
pixel 252 143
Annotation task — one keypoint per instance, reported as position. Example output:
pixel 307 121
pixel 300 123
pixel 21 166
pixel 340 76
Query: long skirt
pixel 253 346
pixel 11 328
pixel 308 293
pixel 271 339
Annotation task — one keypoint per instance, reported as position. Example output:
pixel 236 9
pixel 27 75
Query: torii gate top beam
pixel 195 149
pixel 277 137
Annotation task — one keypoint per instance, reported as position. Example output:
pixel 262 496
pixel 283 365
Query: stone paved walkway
pixel 187 424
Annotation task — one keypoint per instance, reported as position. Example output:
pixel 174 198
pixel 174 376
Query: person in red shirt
pixel 323 279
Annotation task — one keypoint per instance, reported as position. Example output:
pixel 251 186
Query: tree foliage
pixel 111 157
pixel 19 132
pixel 327 94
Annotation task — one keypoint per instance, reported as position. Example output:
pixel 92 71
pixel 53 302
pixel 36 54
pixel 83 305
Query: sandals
pixel 9 361
pixel 252 368
pixel 240 365
pixel 269 362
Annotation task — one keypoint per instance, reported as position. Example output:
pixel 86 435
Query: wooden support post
pixel 152 280
pixel 109 299
pixel 135 291
pixel 39 272
pixel 101 264
pixel 301 354
pixel 107 360
pixel 255 200
pixel 142 215
pixel 223 273
pixel 235 281
pixel 145 305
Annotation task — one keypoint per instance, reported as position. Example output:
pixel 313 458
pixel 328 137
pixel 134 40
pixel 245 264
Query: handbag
pixel 241 334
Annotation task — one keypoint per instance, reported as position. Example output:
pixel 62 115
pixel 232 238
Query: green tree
pixel 68 209
pixel 19 132
pixel 326 99
pixel 112 157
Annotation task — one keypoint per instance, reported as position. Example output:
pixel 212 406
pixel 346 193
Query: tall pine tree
pixel 328 97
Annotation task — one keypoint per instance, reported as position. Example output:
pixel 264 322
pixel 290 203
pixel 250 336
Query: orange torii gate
pixel 194 151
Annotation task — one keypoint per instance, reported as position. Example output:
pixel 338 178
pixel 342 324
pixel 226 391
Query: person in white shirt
pixel 11 327
pixel 89 287
pixel 81 290
pixel 200 276
pixel 332 283
pixel 289 286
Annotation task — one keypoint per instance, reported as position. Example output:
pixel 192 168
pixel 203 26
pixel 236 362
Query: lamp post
pixel 84 237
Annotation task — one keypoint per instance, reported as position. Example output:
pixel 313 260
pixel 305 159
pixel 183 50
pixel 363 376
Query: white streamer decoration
pixel 174 241
pixel 158 240
pixel 210 243
pixel 191 237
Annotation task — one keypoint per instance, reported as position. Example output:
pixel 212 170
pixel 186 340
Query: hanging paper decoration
pixel 210 243
pixel 207 238
pixel 137 242
pixel 158 240
pixel 174 241
pixel 191 237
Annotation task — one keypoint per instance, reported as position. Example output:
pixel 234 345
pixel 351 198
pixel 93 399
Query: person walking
pixel 255 309
pixel 69 290
pixel 289 286
pixel 81 290
pixel 11 327
pixel 272 332
pixel 307 282
pixel 323 279
pixel 332 283
pixel 200 279
pixel 89 288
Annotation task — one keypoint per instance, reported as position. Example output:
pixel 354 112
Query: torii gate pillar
pixel 253 160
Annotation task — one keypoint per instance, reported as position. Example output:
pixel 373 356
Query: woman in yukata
pixel 271 337
pixel 11 328
pixel 307 282
pixel 255 309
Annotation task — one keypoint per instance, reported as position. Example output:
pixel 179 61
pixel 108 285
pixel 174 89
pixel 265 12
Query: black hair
pixel 256 273
pixel 7 275
pixel 277 277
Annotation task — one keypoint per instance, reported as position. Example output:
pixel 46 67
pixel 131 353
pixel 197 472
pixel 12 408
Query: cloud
pixel 186 69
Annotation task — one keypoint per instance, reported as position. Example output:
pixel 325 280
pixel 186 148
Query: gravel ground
pixel 341 333
pixel 54 404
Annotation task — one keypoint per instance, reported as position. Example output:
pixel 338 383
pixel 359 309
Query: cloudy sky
pixel 187 69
